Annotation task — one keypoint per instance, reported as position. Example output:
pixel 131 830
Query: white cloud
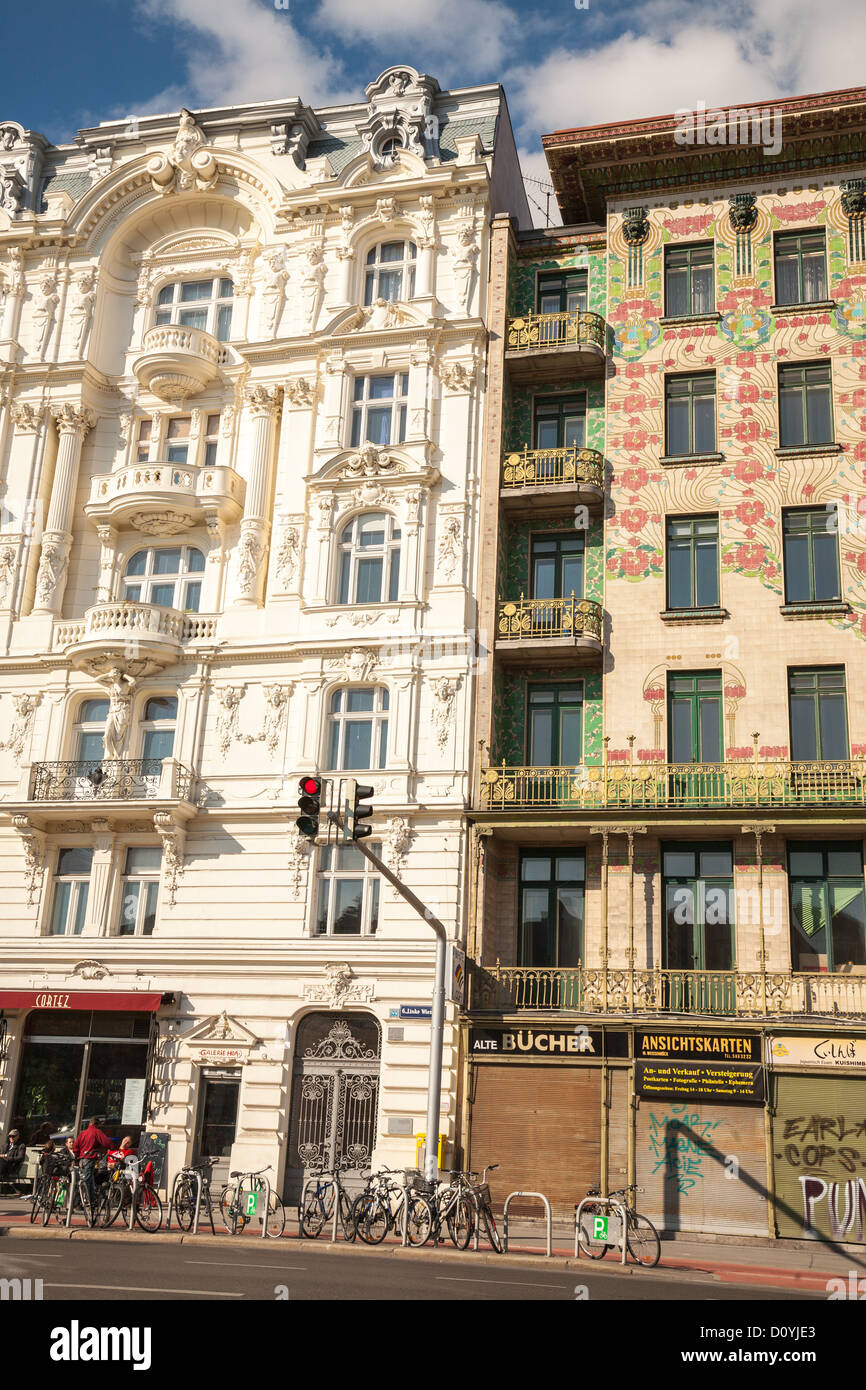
pixel 474 35
pixel 240 51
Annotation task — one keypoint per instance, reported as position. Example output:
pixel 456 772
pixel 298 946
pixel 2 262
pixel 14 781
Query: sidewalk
pixel 750 1261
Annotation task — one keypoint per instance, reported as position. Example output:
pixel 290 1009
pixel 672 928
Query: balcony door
pixel 551 908
pixel 562 293
pixel 90 732
pixel 557 566
pixel 699 926
pixel 555 725
pixel 695 735
pixel 560 422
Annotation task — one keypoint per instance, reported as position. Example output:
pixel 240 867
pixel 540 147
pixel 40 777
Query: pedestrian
pixel 88 1147
pixel 12 1156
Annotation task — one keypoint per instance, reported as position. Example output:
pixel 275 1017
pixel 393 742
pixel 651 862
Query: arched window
pixel 369 560
pixel 390 271
pixel 204 304
pixel 359 729
pixel 90 729
pixel 163 577
pixel 160 716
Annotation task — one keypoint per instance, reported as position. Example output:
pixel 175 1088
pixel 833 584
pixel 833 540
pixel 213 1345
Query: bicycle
pixel 483 1209
pixel 236 1208
pixel 641 1236
pixel 379 1208
pixel 453 1209
pixel 185 1194
pixel 127 1186
pixel 318 1205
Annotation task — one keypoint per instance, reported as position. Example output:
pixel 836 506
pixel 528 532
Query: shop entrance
pixel 217 1124
pixel 335 1096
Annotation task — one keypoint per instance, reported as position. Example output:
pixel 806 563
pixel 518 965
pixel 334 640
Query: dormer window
pixel 204 304
pixel 390 272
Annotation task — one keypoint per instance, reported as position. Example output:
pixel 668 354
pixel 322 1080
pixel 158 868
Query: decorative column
pixel 264 404
pixel 107 560
pixel 631 831
pixel 73 421
pixel 15 290
pixel 759 830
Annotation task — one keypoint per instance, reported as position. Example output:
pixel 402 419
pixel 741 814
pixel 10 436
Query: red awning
pixel 133 1001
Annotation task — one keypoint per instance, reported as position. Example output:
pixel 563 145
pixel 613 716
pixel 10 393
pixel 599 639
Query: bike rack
pixel 199 1189
pixel 70 1196
pixel 302 1203
pixel 548 1219
pixel 599 1202
pixel 264 1218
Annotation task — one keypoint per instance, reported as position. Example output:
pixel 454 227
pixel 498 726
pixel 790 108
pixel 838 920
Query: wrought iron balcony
pixel 727 993
pixel 177 362
pixel 572 470
pixel 535 625
pixel 144 779
pixel 771 783
pixel 537 340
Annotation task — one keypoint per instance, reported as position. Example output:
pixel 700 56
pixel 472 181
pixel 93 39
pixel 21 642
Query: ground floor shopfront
pixel 726 1131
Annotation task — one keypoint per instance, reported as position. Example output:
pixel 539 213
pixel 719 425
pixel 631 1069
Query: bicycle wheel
pixel 490 1226
pixel 314 1213
pixel 276 1216
pixel 642 1240
pixel 36 1201
pixel 460 1223
pixel 419 1220
pixel 593 1249
pixel 230 1209
pixel 114 1203
pixel 48 1200
pixel 347 1220
pixel 372 1218
pixel 184 1204
pixel 148 1209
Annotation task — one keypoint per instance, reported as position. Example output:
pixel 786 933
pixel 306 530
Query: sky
pixel 561 65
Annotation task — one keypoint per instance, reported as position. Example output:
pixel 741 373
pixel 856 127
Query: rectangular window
pixel 379 409
pixel 818 713
pixel 828 912
pixel 348 893
pixel 552 908
pixel 805 405
pixel 71 883
pixel 140 891
pixel 557 566
pixel 690 408
pixel 211 440
pixel 689 280
pixel 801 275
pixel 693 562
pixel 142 445
pixel 562 292
pixel 555 725
pixel 177 439
pixel 699 901
pixel 811 549
pixel 695 717
pixel 560 422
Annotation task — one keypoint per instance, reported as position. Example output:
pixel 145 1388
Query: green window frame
pixel 805 405
pixel 695 717
pixel 800 267
pixel 559 421
pixel 692 561
pixel 554 724
pixel 690 414
pixel 698 894
pixel 561 292
pixel 818 713
pixel 689 280
pixel 556 568
pixel 551 908
pixel 828 904
pixel 810 541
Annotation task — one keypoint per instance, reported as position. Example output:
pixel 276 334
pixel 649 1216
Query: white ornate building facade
pixel 241 389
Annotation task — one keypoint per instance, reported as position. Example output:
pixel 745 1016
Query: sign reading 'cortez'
pixel 699 1047
pixel 817 1052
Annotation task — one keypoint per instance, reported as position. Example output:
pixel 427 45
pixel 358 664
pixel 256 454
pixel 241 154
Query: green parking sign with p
pixel 599 1227
pixel 251 1200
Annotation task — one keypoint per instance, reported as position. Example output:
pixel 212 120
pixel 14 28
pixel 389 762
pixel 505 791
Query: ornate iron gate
pixel 335 1096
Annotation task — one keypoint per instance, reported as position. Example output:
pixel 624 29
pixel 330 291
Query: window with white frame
pixel 71 884
pixel 359 728
pixel 204 304
pixel 211 440
pixel 379 409
pixel 164 576
pixel 143 441
pixel 369 560
pixel 160 717
pixel 177 439
pixel 347 901
pixel 90 731
pixel 139 890
pixel 390 272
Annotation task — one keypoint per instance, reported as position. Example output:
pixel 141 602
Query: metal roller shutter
pixel 542 1125
pixel 819 1157
pixel 684 1156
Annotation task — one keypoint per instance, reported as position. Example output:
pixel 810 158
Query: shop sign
pixel 131 1001
pixel 220 1056
pixel 841 1054
pixel 720 1080
pixel 697 1047
pixel 133 1100
pixel 537 1042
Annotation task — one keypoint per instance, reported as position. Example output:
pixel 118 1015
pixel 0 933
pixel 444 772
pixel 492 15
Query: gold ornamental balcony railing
pixel 533 331
pixel 549 617
pixel 564 468
pixel 729 993
pixel 771 783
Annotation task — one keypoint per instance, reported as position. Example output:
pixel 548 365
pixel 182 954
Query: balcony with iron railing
pixel 772 784
pixel 538 628
pixel 553 347
pixel 540 478
pixel 729 994
pixel 120 779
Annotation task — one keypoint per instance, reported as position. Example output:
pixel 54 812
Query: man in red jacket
pixel 87 1148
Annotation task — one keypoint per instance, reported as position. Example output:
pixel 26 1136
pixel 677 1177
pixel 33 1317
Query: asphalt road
pixel 96 1271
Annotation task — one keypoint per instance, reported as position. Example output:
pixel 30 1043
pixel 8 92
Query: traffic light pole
pixel 437 1020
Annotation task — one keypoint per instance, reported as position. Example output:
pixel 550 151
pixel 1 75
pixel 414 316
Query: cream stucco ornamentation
pixel 120 688
pixel 274 292
pixel 299 858
pixel 311 286
pixel 229 697
pixel 90 970
pixel 173 838
pixel 386 210
pixel 465 259
pixel 25 707
pixel 369 462
pixel 359 665
pixel 162 523
pixel 450 550
pixel 444 693
pixel 45 312
pixel 340 987
pixel 188 164
pixel 27 417
pixel 385 313
pixel 300 392
pixel 7 574
pixel 456 376
pixel 288 554
pixel 250 555
pixel 52 567
pixel 34 856
pixel 397 842
pixel 81 309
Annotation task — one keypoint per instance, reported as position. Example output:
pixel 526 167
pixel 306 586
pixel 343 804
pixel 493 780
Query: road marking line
pixel 242 1264
pixel 132 1288
pixel 516 1283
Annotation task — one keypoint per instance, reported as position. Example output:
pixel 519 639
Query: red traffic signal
pixel 310 803
pixel 310 786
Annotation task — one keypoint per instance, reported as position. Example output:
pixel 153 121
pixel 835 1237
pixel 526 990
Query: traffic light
pixel 310 803
pixel 354 810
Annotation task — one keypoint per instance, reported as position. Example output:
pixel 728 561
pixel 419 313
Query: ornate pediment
pixel 339 988
pixel 220 1040
pixel 189 164
pixel 370 464
pixel 400 117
